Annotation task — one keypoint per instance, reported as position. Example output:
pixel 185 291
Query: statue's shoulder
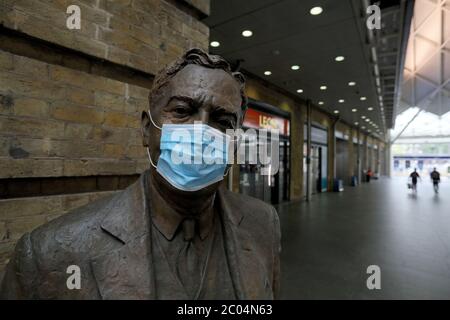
pixel 76 230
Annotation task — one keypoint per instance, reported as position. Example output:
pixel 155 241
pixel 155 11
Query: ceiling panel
pixel 284 33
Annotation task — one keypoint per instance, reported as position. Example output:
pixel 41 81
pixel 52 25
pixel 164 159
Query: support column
pixel 308 152
pixel 351 157
pixel 379 159
pixel 333 139
pixel 358 157
pixel 365 154
pixel 388 159
pixel 332 155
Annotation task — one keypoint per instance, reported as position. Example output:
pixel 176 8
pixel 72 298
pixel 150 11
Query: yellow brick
pixel 25 85
pixel 77 130
pixel 6 251
pixel 17 227
pixel 31 127
pixel 80 96
pixel 108 85
pixel 31 67
pixel 98 167
pixel 25 168
pixel 77 114
pixel 29 206
pixel 29 107
pixel 121 40
pixel 109 101
pixel 88 45
pixel 136 152
pixel 113 151
pixel 118 55
pixel 116 119
pixel 3 232
pixel 138 92
pixel 69 76
pixel 6 61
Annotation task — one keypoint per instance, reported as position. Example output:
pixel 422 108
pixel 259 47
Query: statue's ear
pixel 241 120
pixel 145 127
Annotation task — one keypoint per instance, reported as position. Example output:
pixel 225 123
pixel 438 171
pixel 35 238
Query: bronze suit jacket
pixel 110 241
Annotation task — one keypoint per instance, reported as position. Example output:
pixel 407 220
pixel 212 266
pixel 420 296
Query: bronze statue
pixel 176 233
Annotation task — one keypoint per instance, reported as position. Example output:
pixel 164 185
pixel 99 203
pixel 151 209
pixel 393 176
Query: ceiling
pixel 427 65
pixel 286 34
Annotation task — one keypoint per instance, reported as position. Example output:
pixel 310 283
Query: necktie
pixel 188 262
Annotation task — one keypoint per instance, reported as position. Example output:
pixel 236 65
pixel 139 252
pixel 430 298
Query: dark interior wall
pixel 342 160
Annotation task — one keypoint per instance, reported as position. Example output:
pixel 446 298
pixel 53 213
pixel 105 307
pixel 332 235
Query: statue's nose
pixel 204 116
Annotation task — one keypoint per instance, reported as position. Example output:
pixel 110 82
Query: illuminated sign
pixel 261 120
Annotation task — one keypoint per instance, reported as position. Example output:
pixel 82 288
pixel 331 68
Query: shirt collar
pixel 168 221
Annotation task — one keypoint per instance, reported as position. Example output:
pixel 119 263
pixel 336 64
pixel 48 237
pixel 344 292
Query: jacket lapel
pixel 125 272
pixel 248 273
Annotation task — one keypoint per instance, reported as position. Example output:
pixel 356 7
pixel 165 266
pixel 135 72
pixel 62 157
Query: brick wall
pixel 143 34
pixel 70 100
pixel 63 122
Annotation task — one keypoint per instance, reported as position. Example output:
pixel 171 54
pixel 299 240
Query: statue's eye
pixel 226 123
pixel 181 111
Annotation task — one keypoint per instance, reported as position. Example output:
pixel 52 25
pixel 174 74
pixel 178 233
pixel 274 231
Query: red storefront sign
pixel 261 120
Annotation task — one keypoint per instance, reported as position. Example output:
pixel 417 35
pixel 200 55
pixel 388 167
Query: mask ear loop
pixel 148 149
pixel 150 158
pixel 153 122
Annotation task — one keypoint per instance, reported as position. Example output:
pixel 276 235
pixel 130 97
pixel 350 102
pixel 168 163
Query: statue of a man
pixel 176 233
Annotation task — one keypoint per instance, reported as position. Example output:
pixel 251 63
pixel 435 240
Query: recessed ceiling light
pixel 354 110
pixel 320 102
pixel 323 87
pixel 341 101
pixel 370 108
pixel 363 117
pixel 267 73
pixel 295 67
pixel 299 90
pixel 367 120
pixel 351 83
pixel 356 123
pixel 363 98
pixel 215 44
pixel 336 111
pixel 363 127
pixel 247 33
pixel 315 11
pixel 339 58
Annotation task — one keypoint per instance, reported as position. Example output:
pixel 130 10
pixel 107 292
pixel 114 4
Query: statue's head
pixel 198 87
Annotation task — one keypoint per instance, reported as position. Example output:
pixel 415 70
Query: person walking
pixel 436 178
pixel 414 176
pixel 368 175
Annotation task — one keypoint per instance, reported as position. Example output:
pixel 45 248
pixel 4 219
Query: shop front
pixel 262 119
pixel 342 158
pixel 319 158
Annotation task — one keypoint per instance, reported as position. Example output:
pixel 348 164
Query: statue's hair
pixel 198 57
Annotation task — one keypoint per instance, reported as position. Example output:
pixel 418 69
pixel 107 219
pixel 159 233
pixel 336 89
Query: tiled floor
pixel 329 243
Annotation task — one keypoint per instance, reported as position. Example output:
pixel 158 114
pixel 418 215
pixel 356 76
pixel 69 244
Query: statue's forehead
pixel 194 80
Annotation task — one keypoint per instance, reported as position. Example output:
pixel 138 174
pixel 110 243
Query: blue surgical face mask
pixel 193 156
